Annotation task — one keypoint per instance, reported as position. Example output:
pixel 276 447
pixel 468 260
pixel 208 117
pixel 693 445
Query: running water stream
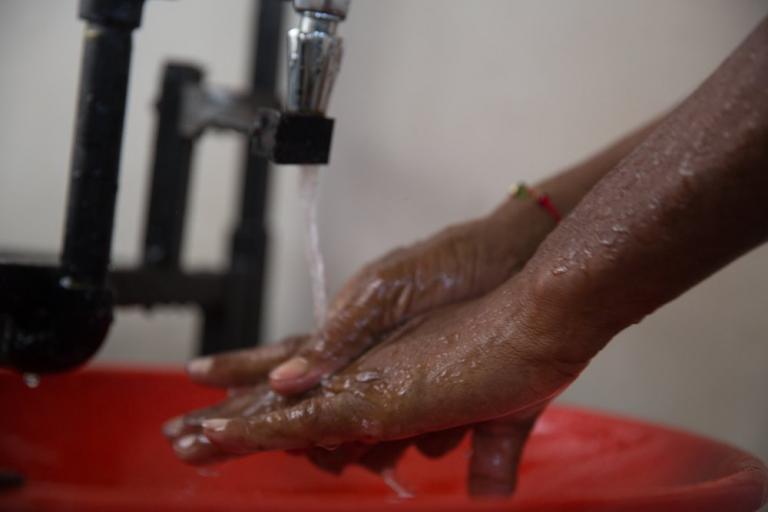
pixel 309 197
pixel 310 180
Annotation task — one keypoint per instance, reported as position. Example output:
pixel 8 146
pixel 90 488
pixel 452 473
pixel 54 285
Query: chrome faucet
pixel 314 54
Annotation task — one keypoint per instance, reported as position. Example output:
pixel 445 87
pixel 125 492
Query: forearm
pixel 460 263
pixel 568 187
pixel 690 199
pixel 511 234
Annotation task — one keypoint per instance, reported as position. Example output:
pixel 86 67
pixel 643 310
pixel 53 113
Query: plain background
pixel 441 105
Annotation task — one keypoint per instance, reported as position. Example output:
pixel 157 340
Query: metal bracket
pixel 218 108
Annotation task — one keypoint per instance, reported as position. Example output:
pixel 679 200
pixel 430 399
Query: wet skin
pixel 458 263
pixel 420 379
pixel 688 200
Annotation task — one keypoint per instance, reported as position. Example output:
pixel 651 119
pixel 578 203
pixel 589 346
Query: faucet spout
pixel 315 52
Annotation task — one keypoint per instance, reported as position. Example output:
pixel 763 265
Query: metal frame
pixel 55 317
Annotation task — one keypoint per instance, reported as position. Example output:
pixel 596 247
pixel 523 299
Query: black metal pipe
pixel 238 324
pixel 46 326
pixel 151 287
pixel 250 235
pixel 98 138
pixel 164 229
pixel 53 319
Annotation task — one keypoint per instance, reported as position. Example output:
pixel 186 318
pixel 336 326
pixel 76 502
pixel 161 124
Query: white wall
pixel 441 105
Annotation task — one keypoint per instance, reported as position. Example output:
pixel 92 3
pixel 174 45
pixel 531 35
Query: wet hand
pixel 459 263
pixel 490 358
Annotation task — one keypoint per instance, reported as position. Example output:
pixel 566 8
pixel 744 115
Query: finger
pixel 174 427
pixel 350 330
pixel 197 449
pixel 191 422
pixel 242 367
pixel 496 449
pixel 254 401
pixel 437 444
pixel 317 421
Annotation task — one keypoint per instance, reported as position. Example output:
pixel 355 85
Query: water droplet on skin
pixel 31 380
pixel 685 166
pixel 329 447
pixel 606 240
pixel 367 376
pixel 295 414
pixel 618 228
pixel 371 428
pixel 562 269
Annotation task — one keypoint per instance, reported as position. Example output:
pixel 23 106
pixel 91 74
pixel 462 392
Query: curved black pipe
pixel 53 319
pixel 46 323
pixel 98 137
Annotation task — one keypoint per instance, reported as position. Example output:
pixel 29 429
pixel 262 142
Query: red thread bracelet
pixel 521 191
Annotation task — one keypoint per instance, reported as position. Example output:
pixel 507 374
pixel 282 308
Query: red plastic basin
pixel 90 441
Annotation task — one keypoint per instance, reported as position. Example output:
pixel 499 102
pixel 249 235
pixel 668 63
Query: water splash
pixel 208 472
pixel 31 380
pixel 309 197
pixel 391 480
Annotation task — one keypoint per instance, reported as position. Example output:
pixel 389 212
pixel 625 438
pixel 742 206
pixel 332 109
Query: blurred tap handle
pixel 336 8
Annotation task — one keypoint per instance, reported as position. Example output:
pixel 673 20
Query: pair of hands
pixel 422 345
pixel 454 333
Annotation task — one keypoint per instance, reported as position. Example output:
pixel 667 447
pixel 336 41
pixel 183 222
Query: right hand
pixel 459 263
pixel 498 359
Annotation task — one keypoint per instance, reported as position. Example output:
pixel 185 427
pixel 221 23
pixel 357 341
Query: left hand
pixel 500 356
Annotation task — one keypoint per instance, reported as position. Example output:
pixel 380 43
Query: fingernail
pixel 291 369
pixel 186 442
pixel 173 427
pixel 199 366
pixel 216 425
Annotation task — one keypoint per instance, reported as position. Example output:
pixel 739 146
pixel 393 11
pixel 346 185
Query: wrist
pixel 516 228
pixel 572 328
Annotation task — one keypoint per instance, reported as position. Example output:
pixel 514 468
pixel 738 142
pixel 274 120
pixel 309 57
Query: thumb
pixel 243 367
pixel 354 325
